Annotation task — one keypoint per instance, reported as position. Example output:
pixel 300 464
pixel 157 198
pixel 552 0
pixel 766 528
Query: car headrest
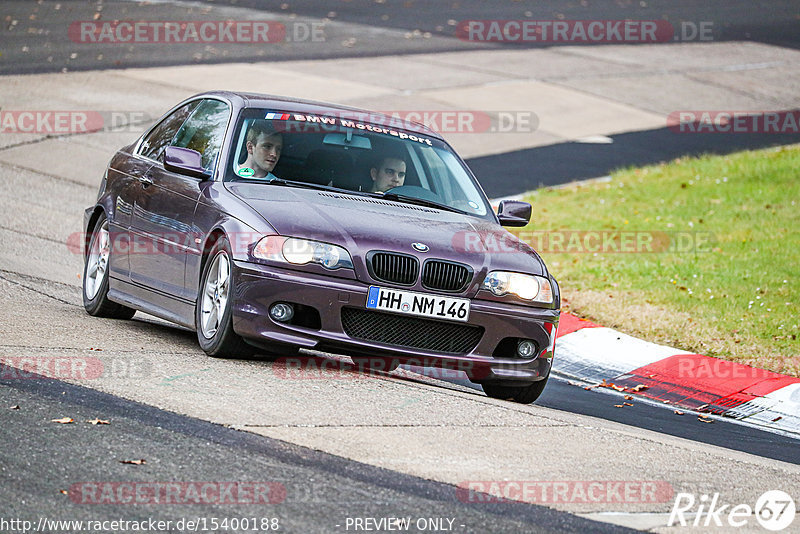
pixel 360 179
pixel 326 166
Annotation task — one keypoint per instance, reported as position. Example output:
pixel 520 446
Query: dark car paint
pixel 258 287
pixel 146 204
pixel 362 224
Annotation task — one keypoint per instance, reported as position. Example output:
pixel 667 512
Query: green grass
pixel 729 290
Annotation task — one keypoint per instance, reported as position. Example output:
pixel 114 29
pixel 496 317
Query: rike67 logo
pixel 774 510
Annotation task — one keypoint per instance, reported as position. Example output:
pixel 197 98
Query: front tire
pixel 95 276
pixel 213 309
pixel 523 394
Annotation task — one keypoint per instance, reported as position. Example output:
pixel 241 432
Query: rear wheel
pixel 213 309
pixel 523 394
pixel 95 276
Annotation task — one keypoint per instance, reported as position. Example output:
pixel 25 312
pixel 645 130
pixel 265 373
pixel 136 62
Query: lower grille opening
pixel 413 332
pixel 307 317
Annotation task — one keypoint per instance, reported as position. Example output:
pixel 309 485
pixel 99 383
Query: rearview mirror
pixel 184 161
pixel 348 140
pixel 514 213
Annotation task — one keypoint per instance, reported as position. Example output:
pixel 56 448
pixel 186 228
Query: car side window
pixel 205 130
pixel 159 137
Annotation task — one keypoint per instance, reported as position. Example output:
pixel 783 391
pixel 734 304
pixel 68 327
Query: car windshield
pixel 349 152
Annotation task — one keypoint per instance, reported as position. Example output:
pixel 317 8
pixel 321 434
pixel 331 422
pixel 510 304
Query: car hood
pixel 361 224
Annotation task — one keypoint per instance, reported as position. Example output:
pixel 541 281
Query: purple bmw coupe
pixel 269 225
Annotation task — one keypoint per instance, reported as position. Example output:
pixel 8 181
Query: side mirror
pixel 514 213
pixel 184 161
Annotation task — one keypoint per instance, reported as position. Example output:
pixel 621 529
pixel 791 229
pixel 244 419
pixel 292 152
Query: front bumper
pixel 257 287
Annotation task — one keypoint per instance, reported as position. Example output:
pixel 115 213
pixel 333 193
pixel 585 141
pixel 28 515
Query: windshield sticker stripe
pixel 323 121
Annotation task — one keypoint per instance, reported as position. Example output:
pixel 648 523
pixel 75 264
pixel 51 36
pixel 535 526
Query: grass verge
pixel 702 254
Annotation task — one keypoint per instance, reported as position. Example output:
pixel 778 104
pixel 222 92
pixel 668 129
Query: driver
pixel 388 173
pixel 264 147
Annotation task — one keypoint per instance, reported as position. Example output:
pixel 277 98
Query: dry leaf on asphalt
pixel 63 420
pixel 133 462
pixel 678 412
pixel 640 387
pixel 64 492
pixel 15 407
pixel 97 421
pixel 619 406
pixel 628 397
pixel 605 384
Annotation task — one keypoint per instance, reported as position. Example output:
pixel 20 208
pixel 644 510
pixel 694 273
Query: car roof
pixel 298 105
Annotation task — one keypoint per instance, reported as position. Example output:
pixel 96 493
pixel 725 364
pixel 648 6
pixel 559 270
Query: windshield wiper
pixel 292 183
pixel 419 201
pixel 288 183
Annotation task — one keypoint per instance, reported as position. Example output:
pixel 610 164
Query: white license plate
pixel 411 303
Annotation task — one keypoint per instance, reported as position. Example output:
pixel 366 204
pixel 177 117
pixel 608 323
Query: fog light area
pixel 282 312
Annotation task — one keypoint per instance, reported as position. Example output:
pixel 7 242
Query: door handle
pixel 146 180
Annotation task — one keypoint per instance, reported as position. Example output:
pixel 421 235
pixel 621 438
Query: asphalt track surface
pixel 525 170
pixel 41 37
pixel 562 395
pixel 570 396
pixel 766 21
pixel 321 490
pixel 35 36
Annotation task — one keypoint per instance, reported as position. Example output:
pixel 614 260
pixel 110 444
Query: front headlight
pixel 302 251
pixel 525 286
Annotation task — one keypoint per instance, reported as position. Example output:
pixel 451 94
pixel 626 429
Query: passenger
pixel 388 173
pixel 264 147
